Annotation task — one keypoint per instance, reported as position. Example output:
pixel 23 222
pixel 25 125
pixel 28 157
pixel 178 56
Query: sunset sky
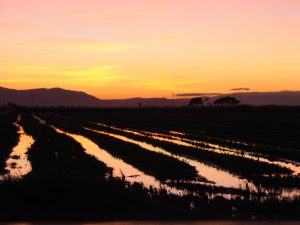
pixel 150 48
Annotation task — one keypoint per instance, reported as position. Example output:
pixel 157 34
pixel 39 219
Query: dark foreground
pixel 68 183
pixel 176 223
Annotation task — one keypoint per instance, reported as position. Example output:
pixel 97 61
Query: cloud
pixel 197 94
pixel 240 89
pixel 93 76
pixel 79 44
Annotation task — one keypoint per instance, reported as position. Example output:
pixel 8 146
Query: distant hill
pixel 47 97
pixel 62 97
pixel 289 98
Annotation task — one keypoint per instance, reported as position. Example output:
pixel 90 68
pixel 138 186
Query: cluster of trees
pixel 225 101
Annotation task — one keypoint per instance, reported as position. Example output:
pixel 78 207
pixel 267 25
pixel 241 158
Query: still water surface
pixel 120 168
pixel 17 164
pixel 178 139
pixel 130 173
pixel 218 177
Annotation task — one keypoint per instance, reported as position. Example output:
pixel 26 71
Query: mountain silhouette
pixel 47 97
pixel 62 97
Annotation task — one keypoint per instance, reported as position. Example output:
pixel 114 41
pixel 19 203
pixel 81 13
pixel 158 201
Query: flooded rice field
pixel 218 177
pixel 120 168
pixel 169 169
pixel 207 174
pixel 215 175
pixel 179 138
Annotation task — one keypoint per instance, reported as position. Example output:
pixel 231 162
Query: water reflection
pixel 206 146
pixel 218 177
pixel 18 164
pixel 132 174
pixel 120 168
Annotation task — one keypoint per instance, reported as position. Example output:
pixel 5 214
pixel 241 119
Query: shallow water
pixel 120 168
pixel 218 177
pixel 18 164
pixel 206 146
pixel 132 174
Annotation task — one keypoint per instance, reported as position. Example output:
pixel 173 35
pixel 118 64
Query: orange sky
pixel 150 48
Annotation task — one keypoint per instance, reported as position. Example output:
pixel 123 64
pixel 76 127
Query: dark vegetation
pixel 66 184
pixel 227 101
pixel 8 135
pixel 196 102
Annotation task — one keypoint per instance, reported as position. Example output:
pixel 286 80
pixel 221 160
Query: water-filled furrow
pixel 120 168
pixel 218 177
pixel 206 146
pixel 18 164
pixel 225 150
pixel 289 193
pixel 267 192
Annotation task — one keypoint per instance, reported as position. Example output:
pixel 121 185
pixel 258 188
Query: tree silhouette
pixel 207 101
pixel 229 101
pixel 196 102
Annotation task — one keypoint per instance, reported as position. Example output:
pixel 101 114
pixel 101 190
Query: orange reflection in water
pixel 219 177
pixel 120 168
pixel 206 146
pixel 18 164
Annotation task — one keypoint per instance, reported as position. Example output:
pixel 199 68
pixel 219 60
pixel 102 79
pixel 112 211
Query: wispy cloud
pixel 240 89
pixel 78 44
pixel 91 76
